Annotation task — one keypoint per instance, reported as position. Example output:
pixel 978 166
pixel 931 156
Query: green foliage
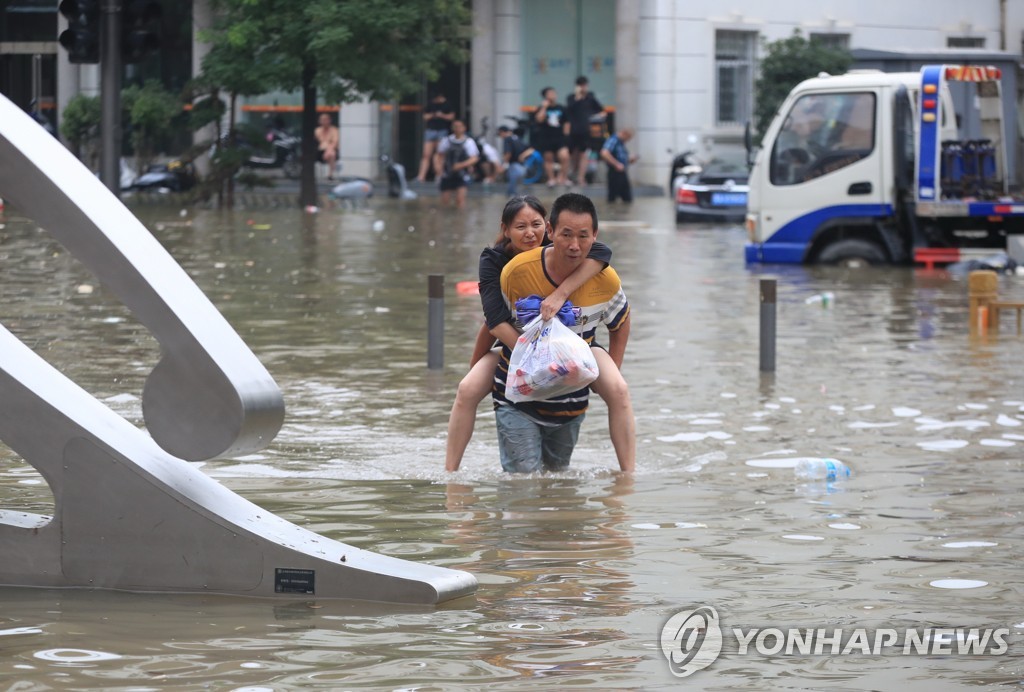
pixel 376 48
pixel 80 125
pixel 343 51
pixel 788 62
pixel 152 113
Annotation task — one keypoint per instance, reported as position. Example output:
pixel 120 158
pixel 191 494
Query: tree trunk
pixel 307 183
pixel 230 182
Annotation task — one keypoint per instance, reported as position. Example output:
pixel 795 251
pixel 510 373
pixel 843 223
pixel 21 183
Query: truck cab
pixel 860 168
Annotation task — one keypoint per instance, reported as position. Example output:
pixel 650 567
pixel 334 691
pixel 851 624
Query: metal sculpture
pixel 130 513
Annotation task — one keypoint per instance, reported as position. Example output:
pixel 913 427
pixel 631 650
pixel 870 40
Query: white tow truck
pixel 871 168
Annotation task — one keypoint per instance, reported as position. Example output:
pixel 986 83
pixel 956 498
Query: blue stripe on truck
pixel 790 243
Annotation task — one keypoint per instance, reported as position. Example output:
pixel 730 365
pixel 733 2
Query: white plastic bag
pixel 549 360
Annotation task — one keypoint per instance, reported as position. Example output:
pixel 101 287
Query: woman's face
pixel 526 230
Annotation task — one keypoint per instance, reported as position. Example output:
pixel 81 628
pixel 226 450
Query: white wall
pixel 359 138
pixel 676 88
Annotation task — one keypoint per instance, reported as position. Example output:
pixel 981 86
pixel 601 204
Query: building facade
pixel 681 73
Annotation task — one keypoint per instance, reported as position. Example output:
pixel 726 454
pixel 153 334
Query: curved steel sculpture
pixel 130 513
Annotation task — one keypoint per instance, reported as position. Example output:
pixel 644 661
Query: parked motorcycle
pixel 175 176
pixel 685 163
pixel 286 154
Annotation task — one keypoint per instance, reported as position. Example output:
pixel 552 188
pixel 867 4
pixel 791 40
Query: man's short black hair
pixel 545 90
pixel 582 81
pixel 574 203
pixel 504 128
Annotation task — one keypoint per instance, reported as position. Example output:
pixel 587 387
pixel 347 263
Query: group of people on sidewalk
pixel 561 136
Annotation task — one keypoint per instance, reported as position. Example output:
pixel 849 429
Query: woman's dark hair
pixel 508 215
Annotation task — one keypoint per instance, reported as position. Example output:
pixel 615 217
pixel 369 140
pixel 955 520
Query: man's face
pixel 458 128
pixel 572 237
pixel 325 120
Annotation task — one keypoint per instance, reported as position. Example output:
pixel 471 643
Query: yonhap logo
pixel 691 640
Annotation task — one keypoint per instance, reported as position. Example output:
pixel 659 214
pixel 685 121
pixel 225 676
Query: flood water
pixel 578 571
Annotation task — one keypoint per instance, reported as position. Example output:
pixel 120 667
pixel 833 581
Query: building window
pixel 965 42
pixel 837 41
pixel 734 65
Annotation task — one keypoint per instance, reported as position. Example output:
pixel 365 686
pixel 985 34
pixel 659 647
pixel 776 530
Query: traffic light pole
pixel 110 96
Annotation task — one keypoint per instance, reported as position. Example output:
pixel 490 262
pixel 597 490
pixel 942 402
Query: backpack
pixel 456 153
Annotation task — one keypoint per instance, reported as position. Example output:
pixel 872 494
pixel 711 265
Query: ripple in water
pixel 74 656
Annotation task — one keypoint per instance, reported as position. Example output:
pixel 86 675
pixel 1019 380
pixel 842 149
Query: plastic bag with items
pixel 549 360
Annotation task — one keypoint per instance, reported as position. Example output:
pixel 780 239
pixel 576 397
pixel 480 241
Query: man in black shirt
pixel 581 109
pixel 550 135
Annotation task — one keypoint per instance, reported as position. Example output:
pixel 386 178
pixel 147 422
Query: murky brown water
pixel 578 572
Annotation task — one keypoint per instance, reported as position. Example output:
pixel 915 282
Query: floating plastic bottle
pixel 821 470
pixel 826 299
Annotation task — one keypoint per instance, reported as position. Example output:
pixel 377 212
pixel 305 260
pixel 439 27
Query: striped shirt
pixel 599 301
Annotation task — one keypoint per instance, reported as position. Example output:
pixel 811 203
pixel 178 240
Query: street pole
pixel 767 343
pixel 110 96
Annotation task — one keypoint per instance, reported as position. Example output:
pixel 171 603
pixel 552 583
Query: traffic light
pixel 140 29
pixel 82 37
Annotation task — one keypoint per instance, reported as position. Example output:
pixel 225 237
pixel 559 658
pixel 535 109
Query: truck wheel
pixel 852 253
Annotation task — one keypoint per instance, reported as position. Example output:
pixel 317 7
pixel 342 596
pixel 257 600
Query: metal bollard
pixel 435 321
pixel 768 325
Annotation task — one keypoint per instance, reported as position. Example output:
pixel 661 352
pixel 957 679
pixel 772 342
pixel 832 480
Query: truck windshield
pixel 821 134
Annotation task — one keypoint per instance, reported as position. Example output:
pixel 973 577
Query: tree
pixel 152 114
pixel 788 62
pixel 80 125
pixel 346 51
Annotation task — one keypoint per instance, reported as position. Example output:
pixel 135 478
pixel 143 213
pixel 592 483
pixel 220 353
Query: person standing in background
pixel 618 158
pixel 439 116
pixel 550 135
pixel 327 138
pixel 456 155
pixel 581 109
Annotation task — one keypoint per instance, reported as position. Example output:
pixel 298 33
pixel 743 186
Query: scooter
pixel 286 154
pixel 685 163
pixel 398 186
pixel 176 176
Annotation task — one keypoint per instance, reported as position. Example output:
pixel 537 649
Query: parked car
pixel 717 190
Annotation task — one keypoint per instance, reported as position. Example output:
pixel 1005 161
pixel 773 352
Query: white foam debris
pixel 942 445
pixel 988 442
